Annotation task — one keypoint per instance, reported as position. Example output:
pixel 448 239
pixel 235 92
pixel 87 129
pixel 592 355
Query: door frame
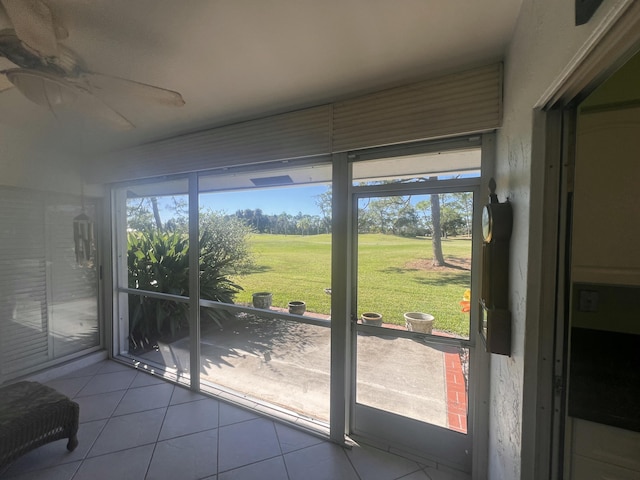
pixel 553 145
pixel 343 268
pixel 386 428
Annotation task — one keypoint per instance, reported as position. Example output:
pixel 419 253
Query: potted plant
pixel 262 300
pixel 297 307
pixel 419 322
pixel 372 318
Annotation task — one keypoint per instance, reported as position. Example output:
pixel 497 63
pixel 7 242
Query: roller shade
pixel 292 135
pixel 461 103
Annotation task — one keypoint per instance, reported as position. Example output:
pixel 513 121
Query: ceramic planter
pixel 371 318
pixel 262 300
pixel 297 307
pixel 419 322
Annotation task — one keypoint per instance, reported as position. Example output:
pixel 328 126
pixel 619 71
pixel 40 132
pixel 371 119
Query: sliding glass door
pixel 253 325
pixel 413 276
pixel 49 283
pixel 337 295
pixel 153 275
pixel 265 250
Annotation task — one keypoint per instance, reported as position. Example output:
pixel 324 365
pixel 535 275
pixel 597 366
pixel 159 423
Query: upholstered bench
pixel 31 415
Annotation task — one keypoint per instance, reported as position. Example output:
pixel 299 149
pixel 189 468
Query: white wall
pixel 22 165
pixel 544 44
pixel 607 152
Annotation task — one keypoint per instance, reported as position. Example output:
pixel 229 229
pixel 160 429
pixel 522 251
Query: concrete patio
pixel 286 364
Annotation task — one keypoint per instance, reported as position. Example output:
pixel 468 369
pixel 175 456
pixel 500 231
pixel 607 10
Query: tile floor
pixel 137 426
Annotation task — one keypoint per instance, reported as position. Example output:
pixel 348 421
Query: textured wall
pixel 544 43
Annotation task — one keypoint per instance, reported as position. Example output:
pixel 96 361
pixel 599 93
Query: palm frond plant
pixel 158 261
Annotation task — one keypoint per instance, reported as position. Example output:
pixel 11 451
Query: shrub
pixel 159 262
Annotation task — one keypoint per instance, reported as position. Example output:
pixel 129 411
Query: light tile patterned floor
pixel 137 426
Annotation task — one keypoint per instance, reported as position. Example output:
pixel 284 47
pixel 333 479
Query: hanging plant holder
pixel 82 234
pixel 83 238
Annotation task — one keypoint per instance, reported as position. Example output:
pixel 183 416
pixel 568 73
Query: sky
pixel 274 201
pixel 291 200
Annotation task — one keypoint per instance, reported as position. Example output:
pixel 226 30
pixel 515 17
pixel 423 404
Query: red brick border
pixel 456 391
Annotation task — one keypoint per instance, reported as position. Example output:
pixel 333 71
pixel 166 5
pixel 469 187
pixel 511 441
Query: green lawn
pixel 393 274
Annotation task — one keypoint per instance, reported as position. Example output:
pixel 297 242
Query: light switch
pixel 588 301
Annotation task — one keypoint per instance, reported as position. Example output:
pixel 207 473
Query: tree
pixel 406 223
pixel 304 224
pixel 260 223
pixel 386 214
pixel 156 213
pixel 366 220
pixel 424 207
pixel 139 214
pixel 464 202
pixel 436 237
pixel 452 221
pixel 224 240
pixel 144 213
pixel 282 223
pixel 324 203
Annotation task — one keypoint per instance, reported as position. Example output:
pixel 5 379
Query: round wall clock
pixel 497 218
pixel 487 220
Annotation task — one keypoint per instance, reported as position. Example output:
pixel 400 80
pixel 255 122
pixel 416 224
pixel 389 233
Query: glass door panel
pixel 49 285
pixel 268 357
pixel 265 273
pixel 168 349
pixel 411 320
pixel 154 281
pixel 408 276
pixel 73 299
pixel 423 376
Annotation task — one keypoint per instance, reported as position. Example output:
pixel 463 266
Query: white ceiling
pixel 239 59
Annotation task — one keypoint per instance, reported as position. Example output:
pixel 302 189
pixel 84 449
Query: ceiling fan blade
pixel 33 22
pixel 5 84
pixel 101 84
pixel 58 94
pixel 5 64
pixel 41 88
pixel 91 106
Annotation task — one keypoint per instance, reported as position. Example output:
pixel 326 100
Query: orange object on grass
pixel 466 301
